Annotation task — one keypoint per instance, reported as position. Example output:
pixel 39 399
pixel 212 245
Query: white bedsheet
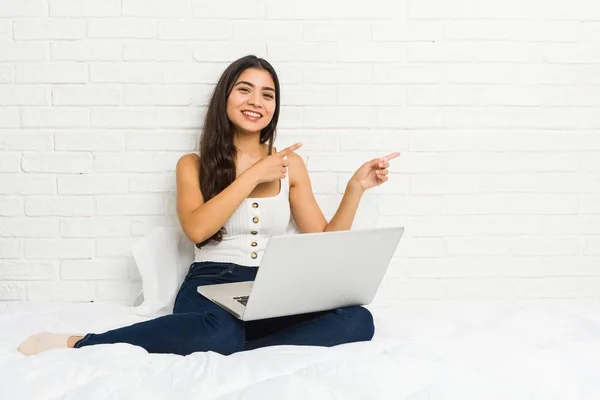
pixel 421 350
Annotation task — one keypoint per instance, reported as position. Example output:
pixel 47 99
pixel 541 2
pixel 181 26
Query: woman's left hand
pixel 373 173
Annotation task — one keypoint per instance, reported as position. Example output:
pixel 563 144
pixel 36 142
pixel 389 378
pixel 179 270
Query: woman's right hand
pixel 273 167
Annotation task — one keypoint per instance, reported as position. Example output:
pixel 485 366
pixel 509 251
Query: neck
pixel 249 144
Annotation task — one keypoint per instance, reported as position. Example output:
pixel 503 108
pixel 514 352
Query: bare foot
pixel 45 341
pixel 72 340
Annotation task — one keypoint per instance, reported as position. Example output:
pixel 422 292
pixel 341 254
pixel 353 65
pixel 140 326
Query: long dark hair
pixel 217 151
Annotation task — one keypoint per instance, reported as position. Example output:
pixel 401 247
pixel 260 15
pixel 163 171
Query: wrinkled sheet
pixel 422 350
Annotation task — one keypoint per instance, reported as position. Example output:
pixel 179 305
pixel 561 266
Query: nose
pixel 255 99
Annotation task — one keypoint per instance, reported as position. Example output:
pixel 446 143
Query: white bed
pixel 421 350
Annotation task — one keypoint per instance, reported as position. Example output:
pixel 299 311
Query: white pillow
pixel 163 258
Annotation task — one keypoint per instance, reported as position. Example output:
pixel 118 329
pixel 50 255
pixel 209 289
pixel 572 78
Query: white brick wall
pixel 494 107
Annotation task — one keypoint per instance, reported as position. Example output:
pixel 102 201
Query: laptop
pixel 311 272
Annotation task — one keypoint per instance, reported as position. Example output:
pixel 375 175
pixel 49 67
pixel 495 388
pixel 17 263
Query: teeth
pixel 252 114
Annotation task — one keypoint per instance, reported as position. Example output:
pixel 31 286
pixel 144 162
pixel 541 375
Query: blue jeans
pixel 197 324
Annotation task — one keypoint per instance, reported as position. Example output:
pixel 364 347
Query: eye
pixel 245 90
pixel 269 96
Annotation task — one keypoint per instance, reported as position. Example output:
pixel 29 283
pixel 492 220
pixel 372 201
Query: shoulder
pixel 188 161
pixel 297 169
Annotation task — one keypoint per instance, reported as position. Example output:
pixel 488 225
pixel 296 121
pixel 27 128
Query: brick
pixel 11 206
pixel 89 140
pixel 228 51
pixel 408 31
pixel 114 247
pixel 125 72
pixel 9 117
pixel 234 9
pixel 472 95
pixel 189 29
pixel 442 52
pixel 589 204
pixel 307 95
pixel 55 117
pixel 10 248
pixel 336 31
pixel 166 140
pixel 156 8
pixel 503 30
pixel 90 50
pixel 136 162
pixel 554 287
pixel 27 271
pixel 7 74
pixel 51 73
pixel 307 51
pixel 336 73
pixel 23 51
pixel 142 225
pixel 12 291
pixel 158 51
pixel 339 117
pixel 49 29
pixel 265 31
pixel 22 95
pixel 371 52
pixel 371 95
pixel 99 269
pixel 65 163
pixel 59 248
pixel 92 184
pixel 353 9
pixel 434 9
pixel 62 206
pixel 61 292
pixel 28 228
pixel 85 8
pixel 477 288
pixel 130 205
pixel 478 246
pixel 401 73
pixel 591 247
pixel 24 139
pixel 150 183
pixel 121 28
pixel 94 227
pixel 88 95
pixel 23 8
pixel 18 184
pixel 10 162
pixel 147 117
pixel 167 95
pixel 410 117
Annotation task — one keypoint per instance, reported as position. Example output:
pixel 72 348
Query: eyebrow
pixel 252 85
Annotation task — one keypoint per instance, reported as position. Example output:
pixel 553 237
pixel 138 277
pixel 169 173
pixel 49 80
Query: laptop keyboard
pixel 242 299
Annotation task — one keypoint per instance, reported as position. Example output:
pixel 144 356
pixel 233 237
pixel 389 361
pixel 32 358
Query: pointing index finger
pixel 390 156
pixel 290 149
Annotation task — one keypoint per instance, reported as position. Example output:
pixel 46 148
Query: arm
pixel 305 209
pixel 200 220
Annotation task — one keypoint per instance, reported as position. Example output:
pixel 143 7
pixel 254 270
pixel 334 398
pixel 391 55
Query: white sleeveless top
pixel 249 229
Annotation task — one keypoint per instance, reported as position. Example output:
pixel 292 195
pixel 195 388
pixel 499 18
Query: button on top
pixel 255 220
pixel 253 255
pixel 255 205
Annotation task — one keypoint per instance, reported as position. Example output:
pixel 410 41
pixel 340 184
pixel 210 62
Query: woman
pixel 230 201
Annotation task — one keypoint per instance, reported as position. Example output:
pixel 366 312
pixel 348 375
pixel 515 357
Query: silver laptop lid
pixel 321 271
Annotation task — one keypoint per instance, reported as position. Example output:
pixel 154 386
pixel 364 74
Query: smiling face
pixel 251 103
